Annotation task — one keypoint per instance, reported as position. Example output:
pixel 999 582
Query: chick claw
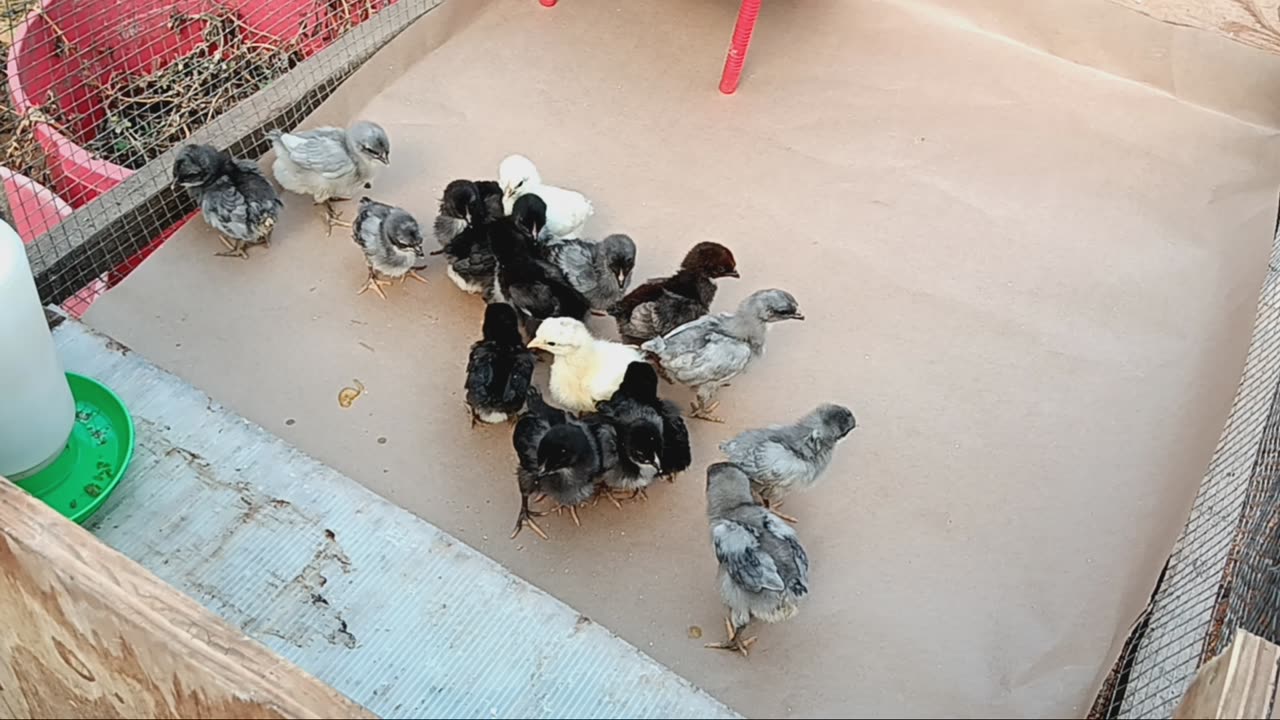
pixel 526 518
pixel 734 643
pixel 236 249
pixel 413 274
pixel 333 218
pixel 573 513
pixel 374 284
pixel 702 412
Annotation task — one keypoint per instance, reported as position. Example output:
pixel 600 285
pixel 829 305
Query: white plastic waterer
pixel 36 409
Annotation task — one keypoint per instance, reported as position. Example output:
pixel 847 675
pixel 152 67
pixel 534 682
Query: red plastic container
pixel 36 209
pixel 107 38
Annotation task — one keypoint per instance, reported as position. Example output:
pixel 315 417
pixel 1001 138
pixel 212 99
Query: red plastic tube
pixel 548 3
pixel 738 47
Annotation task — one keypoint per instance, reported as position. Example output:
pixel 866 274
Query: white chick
pixel 567 210
pixel 586 370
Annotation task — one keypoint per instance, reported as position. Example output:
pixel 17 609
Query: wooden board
pixel 1239 683
pixel 86 632
pixel 1252 22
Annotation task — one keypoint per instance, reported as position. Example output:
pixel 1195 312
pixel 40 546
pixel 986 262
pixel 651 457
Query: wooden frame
pixel 1239 683
pixel 87 632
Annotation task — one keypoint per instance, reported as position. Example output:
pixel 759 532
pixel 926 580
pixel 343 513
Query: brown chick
pixel 664 304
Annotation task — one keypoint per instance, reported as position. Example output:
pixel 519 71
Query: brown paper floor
pixel 1033 283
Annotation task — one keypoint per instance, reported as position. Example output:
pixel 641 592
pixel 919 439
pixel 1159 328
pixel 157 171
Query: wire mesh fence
pixel 1223 571
pixel 99 93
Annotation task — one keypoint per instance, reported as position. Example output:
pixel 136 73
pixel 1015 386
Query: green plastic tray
pixel 97 453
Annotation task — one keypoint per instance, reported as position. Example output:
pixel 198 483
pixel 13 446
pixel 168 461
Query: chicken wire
pixel 98 92
pixel 1224 571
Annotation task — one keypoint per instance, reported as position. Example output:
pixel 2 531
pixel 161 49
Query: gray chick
pixel 600 271
pixel 764 570
pixel 234 197
pixel 707 353
pixel 330 163
pixel 391 241
pixel 782 458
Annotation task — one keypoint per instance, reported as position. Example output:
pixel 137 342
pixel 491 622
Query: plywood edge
pixel 87 632
pixel 1238 683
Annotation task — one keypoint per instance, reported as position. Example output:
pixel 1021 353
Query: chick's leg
pixel 604 491
pixel 333 218
pixel 706 404
pixel 375 284
pixel 773 508
pixel 525 517
pixel 573 513
pixel 234 249
pixel 736 642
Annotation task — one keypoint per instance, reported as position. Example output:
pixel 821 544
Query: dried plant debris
pixel 148 113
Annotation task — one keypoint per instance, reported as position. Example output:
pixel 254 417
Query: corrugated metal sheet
pixel 385 607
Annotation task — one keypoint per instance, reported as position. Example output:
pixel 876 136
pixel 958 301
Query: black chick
pixel 664 304
pixel 466 203
pixel 499 369
pixel 640 386
pixel 534 286
pixel 560 457
pixel 234 196
pixel 640 429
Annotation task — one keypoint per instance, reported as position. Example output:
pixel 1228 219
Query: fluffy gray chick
pixel 391 241
pixel 329 163
pixel 234 197
pixel 600 271
pixel 782 458
pixel 707 353
pixel 764 570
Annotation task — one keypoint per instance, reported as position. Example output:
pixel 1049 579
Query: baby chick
pixel 639 430
pixel 567 210
pixel 472 264
pixel 707 353
pixel 532 285
pixel 560 457
pixel 600 271
pixel 664 304
pixel 639 389
pixel 234 197
pixel 764 571
pixel 586 370
pixel 466 203
pixel 499 369
pixel 782 458
pixel 329 163
pixel 391 241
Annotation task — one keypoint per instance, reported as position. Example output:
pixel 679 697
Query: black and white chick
pixel 499 369
pixel 560 457
pixel 392 244
pixel 235 198
pixel 466 203
pixel 472 266
pixel 783 458
pixel 664 304
pixel 600 271
pixel 636 400
pixel 330 163
pixel 535 287
pixel 764 571
pixel 639 431
pixel 707 353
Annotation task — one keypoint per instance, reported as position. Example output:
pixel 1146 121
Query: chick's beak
pixel 797 315
pixel 732 274
pixel 536 344
pixel 622 279
pixel 384 158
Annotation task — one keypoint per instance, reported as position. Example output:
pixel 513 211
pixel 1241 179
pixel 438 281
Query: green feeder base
pixel 97 453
